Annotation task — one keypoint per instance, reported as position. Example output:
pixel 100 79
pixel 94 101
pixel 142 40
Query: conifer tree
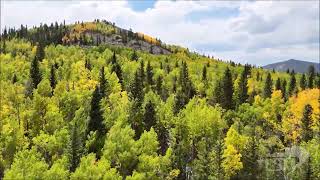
pixel 149 117
pixel 35 74
pixel 204 73
pixel 53 80
pixel 278 84
pixel 217 93
pixel 87 65
pixel 163 137
pixel 311 72
pixel 267 87
pixel 306 123
pixel 14 79
pixel 179 102
pixel 116 68
pixel 243 88
pixel 149 73
pixel 134 56
pixel 141 73
pixel 96 118
pixel 75 148
pixel 292 84
pixel 40 52
pixel 159 86
pixel 303 82
pixel 227 87
pixel 284 89
pixel 103 83
pixel 136 89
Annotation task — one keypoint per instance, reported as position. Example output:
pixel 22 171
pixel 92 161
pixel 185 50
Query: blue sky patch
pixel 141 5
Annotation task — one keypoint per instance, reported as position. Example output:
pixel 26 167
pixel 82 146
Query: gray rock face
pixel 117 40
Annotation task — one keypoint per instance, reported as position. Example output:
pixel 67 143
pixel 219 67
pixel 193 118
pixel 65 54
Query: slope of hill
pixel 74 107
pixel 292 64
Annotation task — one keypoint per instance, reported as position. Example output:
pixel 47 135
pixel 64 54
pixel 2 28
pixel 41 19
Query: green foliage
pixel 182 115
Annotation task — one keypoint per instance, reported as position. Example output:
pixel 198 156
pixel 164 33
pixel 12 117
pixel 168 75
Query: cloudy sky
pixel 257 32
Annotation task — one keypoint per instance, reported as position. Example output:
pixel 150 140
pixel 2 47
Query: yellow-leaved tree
pixel 291 124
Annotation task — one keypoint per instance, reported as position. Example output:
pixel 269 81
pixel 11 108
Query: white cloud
pixel 261 32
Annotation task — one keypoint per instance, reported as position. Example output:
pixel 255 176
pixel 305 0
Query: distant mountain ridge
pixel 293 64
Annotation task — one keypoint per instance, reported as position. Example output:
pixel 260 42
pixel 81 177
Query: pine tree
pixel 278 84
pixel 267 87
pixel 87 65
pixel 149 73
pixel 204 73
pixel 243 88
pixel 96 115
pixel 103 83
pixel 227 87
pixel 179 102
pixel 311 72
pixel 303 82
pixel 163 138
pixel 40 52
pixel 149 117
pixel 284 89
pixel 14 79
pixel 159 86
pixel 75 147
pixel 116 68
pixel 35 74
pixel 141 73
pixel 53 81
pixel 136 89
pixel 217 93
pixel 134 56
pixel 292 84
pixel 306 123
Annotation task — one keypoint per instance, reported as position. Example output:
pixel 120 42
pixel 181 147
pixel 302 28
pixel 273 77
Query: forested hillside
pixel 76 107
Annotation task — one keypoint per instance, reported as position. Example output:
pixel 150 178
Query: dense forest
pixel 75 107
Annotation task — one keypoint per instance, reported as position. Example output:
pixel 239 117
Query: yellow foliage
pixel 148 38
pixel 291 123
pixel 231 163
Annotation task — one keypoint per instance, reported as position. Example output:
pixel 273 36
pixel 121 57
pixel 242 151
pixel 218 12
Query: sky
pixel 255 32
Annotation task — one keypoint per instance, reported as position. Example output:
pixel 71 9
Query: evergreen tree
pixel 14 79
pixel 141 73
pixel 292 84
pixel 134 56
pixel 306 123
pixel 311 72
pixel 159 86
pixel 204 73
pixel 243 88
pixel 53 80
pixel 267 87
pixel 163 138
pixel 227 87
pixel 136 89
pixel 149 117
pixel 103 83
pixel 87 65
pixel 75 147
pixel 40 52
pixel 217 93
pixel 149 73
pixel 278 84
pixel 179 102
pixel 284 89
pixel 303 82
pixel 116 68
pixel 35 74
